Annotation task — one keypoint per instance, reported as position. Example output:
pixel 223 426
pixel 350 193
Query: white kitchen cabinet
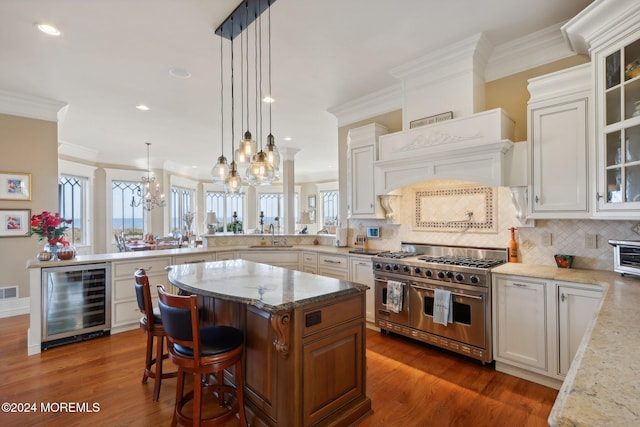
pixel 559 137
pixel 278 258
pixel 225 256
pixel 194 258
pixel 125 313
pixel 538 325
pixel 520 322
pixel 576 310
pixel 361 271
pixel 336 266
pixel 612 39
pixel 362 152
pixel 310 262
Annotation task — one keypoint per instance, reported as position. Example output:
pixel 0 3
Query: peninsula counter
pixel 305 357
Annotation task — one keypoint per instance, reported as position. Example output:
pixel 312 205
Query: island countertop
pixel 272 289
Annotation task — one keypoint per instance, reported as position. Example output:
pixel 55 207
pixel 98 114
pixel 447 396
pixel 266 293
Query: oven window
pixel 461 312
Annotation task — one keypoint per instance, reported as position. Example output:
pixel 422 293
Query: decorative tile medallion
pixel 455 209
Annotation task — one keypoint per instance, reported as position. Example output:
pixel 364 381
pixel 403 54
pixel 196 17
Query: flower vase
pixel 53 248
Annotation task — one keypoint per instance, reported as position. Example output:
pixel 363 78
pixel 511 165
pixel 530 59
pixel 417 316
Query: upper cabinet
pixel 362 152
pixel 609 31
pixel 559 135
pixel 618 83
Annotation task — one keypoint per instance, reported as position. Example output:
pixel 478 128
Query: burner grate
pixel 462 261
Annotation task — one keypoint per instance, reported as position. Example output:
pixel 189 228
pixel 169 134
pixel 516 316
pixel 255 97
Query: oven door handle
pixel 452 293
pixel 378 279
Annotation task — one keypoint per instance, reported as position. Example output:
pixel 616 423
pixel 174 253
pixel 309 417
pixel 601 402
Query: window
pixel 182 201
pixel 329 206
pixel 72 206
pixel 272 206
pixel 127 220
pixel 224 205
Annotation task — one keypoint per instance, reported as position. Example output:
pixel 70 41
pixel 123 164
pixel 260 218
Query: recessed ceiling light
pixel 287 138
pixel 268 99
pixel 194 167
pixel 142 107
pixel 49 29
pixel 179 73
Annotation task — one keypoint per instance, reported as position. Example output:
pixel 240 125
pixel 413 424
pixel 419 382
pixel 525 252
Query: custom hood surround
pixel 475 148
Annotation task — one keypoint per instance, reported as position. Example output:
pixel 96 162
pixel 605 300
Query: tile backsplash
pixel 566 236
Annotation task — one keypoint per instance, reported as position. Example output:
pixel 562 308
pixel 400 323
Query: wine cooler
pixel 76 303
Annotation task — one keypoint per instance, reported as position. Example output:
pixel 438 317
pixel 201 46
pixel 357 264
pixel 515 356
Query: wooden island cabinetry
pixel 304 339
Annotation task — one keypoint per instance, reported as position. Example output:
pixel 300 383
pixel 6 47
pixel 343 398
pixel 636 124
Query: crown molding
pixel 374 104
pixel 601 20
pixel 77 151
pixel 524 53
pixel 33 107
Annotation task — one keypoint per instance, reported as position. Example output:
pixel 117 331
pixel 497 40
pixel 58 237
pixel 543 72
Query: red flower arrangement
pixel 50 226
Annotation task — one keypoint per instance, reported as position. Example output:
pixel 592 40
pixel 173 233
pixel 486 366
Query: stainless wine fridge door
pixel 76 303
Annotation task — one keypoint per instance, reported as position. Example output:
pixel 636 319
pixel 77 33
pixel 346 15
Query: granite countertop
pixel 602 387
pixel 267 287
pixel 124 256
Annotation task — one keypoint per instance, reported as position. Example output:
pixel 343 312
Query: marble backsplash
pixel 567 236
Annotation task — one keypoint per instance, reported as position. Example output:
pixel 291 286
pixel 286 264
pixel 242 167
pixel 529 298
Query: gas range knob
pixel 428 273
pixel 449 275
pixel 474 279
pixel 406 269
pixel 440 275
pixel 395 267
pixel 377 266
pixel 417 270
pixel 387 267
pixel 459 277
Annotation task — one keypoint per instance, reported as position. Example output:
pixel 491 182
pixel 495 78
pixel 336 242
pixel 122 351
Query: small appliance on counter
pixel 626 256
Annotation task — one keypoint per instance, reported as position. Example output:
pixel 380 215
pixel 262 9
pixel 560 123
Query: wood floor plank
pixel 410 384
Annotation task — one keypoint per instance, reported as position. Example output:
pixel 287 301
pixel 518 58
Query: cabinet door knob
pixel 562 297
pixel 537 200
pixel 598 196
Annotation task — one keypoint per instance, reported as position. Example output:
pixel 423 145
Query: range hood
pixel 475 148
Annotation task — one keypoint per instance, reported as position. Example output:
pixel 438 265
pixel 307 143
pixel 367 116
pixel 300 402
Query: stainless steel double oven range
pixel 421 268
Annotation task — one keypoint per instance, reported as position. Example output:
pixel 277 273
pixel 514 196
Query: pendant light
pixel 247 145
pixel 220 170
pixel 273 156
pixel 233 183
pixel 260 171
pixel 152 197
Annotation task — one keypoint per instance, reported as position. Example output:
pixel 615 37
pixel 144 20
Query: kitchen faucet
pixel 273 235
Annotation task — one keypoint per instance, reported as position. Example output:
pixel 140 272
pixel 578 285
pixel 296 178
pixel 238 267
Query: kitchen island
pixel 304 339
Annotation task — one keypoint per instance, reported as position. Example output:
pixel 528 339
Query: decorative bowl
pixel 44 256
pixel 563 261
pixel 66 253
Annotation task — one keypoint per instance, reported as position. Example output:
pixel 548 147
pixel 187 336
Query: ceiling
pixel 116 54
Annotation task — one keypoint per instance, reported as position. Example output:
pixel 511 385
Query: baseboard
pixel 528 375
pixel 14 307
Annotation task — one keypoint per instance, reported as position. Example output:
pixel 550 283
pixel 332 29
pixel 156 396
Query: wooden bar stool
pixel 151 324
pixel 203 352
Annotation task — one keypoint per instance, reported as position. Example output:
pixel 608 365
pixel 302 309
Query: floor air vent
pixel 9 292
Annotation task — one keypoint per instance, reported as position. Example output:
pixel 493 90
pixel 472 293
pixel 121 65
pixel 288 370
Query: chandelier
pixel 261 170
pixel 152 196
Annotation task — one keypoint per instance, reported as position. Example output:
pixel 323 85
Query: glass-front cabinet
pixel 618 126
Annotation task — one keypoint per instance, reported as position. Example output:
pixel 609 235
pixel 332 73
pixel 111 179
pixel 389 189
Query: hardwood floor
pixel 409 384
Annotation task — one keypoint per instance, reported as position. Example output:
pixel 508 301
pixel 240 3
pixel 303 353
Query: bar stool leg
pixel 148 358
pixel 158 379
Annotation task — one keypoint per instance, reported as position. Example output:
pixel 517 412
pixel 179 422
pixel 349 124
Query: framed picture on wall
pixel 15 222
pixel 311 202
pixel 15 186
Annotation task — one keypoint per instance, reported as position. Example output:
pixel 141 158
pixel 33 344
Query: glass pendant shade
pixel 220 170
pixel 248 145
pixel 273 155
pixel 260 171
pixel 233 183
